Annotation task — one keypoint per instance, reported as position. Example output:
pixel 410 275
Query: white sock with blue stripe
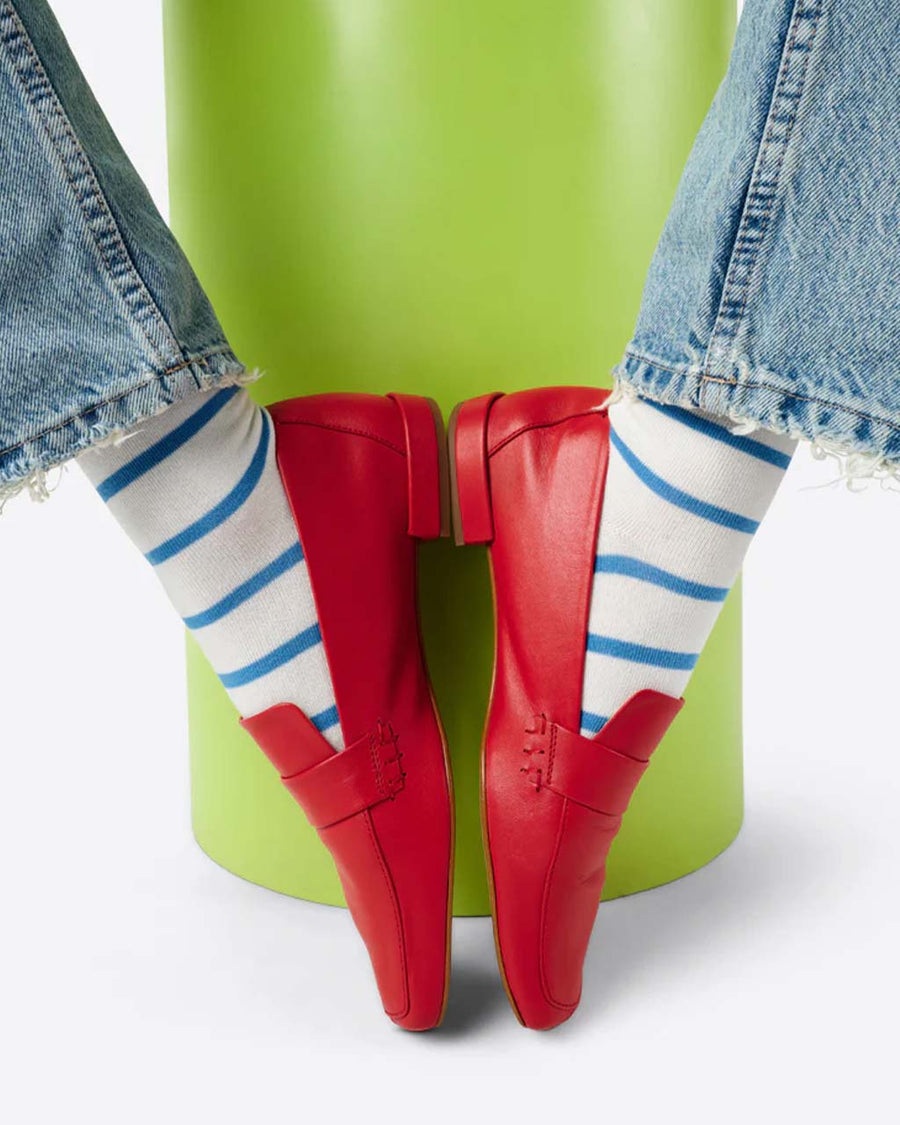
pixel 684 496
pixel 198 491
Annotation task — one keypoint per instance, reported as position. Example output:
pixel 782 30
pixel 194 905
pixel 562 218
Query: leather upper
pixel 330 786
pixel 552 799
pixel 361 473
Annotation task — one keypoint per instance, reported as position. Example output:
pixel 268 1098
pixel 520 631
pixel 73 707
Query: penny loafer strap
pixel 602 772
pixel 330 785
pixel 365 774
pixel 589 773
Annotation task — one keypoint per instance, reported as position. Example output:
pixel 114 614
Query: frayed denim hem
pixel 864 446
pixel 25 466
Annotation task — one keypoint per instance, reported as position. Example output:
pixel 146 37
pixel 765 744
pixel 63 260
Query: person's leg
pixel 102 321
pixel 106 334
pixel 684 492
pixel 255 521
pixel 683 498
pixel 772 296
pixel 199 493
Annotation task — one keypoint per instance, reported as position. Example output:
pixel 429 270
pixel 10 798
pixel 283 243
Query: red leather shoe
pixel 528 473
pixel 366 477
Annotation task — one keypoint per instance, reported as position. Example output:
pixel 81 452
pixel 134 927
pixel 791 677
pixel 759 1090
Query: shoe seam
pixel 545 987
pixel 343 430
pixel 537 426
pixel 392 894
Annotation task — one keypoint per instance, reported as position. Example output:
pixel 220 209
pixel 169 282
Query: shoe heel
pixel 427 466
pixel 470 490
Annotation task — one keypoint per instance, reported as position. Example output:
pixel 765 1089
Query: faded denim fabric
pixel 774 293
pixel 102 321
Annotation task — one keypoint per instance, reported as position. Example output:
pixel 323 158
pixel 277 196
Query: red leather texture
pixel 362 476
pixel 468 435
pixel 288 739
pixel 334 786
pixel 425 456
pixel 552 800
pixel 582 769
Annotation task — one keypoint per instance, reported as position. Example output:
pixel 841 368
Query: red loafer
pixel 365 477
pixel 528 473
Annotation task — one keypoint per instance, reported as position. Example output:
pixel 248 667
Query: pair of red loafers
pixel 367 477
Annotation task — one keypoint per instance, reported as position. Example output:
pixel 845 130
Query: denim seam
pixel 198 360
pixel 686 372
pixel 765 179
pixel 89 196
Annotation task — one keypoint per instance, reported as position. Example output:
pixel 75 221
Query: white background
pixel 141 983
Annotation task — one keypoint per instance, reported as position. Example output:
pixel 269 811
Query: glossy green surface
pixel 443 197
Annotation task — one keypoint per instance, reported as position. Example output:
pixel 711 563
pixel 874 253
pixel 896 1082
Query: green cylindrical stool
pixel 443 197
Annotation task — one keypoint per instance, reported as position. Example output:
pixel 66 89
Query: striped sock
pixel 198 491
pixel 684 496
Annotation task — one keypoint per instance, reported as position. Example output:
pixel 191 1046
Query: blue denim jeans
pixel 774 293
pixel 773 296
pixel 102 321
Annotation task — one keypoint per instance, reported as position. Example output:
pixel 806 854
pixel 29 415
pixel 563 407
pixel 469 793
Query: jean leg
pixel 102 320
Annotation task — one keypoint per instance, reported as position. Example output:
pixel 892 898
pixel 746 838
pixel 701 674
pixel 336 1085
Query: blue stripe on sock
pixel 290 558
pixel 644 572
pixel 274 659
pixel 225 508
pixel 680 499
pixel 326 719
pixel 166 446
pixel 593 722
pixel 642 654
pixel 745 444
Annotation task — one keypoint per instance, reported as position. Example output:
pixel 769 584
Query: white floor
pixel 141 983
